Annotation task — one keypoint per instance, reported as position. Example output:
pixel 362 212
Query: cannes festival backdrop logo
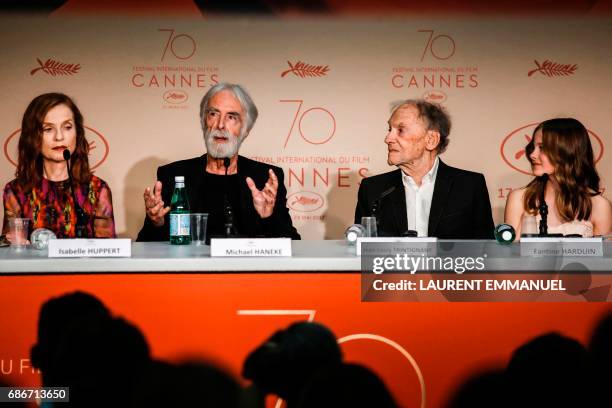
pixel 55 68
pixel 552 69
pixel 305 201
pixel 180 69
pixel 98 147
pixel 435 96
pixel 176 96
pixel 303 70
pixel 513 148
pixel 437 70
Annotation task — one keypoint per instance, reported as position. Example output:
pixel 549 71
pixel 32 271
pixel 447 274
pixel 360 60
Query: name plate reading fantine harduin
pixel 410 245
pixel 559 246
pixel 90 248
pixel 232 247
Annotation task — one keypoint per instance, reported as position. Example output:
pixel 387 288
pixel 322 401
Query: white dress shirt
pixel 418 199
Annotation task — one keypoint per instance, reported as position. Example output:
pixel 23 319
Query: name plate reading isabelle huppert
pixel 90 248
pixel 232 247
pixel 559 246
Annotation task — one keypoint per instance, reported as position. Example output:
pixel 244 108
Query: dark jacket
pixel 277 225
pixel 460 206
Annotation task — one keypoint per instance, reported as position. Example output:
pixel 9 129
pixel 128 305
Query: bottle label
pixel 179 224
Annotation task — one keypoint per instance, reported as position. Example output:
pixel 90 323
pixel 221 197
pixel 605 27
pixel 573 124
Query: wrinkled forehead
pixel 406 113
pixel 225 101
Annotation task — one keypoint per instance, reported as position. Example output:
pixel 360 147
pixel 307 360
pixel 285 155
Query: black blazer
pixel 460 206
pixel 277 225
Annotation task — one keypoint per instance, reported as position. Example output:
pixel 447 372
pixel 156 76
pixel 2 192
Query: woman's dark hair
pixel 30 161
pixel 567 144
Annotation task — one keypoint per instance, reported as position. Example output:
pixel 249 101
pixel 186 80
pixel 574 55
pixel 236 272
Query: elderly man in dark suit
pixel 424 194
pixel 254 190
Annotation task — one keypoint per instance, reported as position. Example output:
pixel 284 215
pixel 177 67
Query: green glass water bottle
pixel 179 214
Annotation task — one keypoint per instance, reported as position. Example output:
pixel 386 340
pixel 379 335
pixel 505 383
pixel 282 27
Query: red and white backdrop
pixel 324 88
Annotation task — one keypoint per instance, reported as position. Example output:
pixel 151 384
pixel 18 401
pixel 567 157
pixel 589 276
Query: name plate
pixel 558 246
pixel 90 248
pixel 231 247
pixel 419 245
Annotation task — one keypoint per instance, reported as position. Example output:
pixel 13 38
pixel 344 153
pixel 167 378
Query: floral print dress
pixel 50 205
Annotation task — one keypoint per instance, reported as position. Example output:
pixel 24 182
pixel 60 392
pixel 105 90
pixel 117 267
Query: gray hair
pixel 243 97
pixel 435 118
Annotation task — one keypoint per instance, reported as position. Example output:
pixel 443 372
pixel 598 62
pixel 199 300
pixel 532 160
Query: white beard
pixel 222 150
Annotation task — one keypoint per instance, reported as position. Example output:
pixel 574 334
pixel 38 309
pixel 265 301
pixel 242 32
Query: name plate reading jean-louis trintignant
pixel 90 248
pixel 558 246
pixel 414 245
pixel 229 247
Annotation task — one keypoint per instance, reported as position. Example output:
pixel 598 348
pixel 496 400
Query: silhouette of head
pixel 99 355
pixel 346 385
pixel 484 390
pixel 600 350
pixel 188 384
pixel 57 316
pixel 287 360
pixel 550 370
pixel 600 345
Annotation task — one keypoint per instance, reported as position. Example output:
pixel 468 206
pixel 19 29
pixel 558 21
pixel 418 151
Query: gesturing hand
pixel 264 199
pixel 154 205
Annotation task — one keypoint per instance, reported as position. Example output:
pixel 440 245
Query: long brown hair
pixel 567 144
pixel 30 162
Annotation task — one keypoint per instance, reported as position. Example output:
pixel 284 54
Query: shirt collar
pixel 427 178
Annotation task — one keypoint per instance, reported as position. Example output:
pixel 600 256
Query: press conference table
pixel 187 303
pixel 312 256
pixel 308 256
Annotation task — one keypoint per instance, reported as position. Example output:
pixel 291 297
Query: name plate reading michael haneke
pixel 90 248
pixel 559 246
pixel 411 245
pixel 250 247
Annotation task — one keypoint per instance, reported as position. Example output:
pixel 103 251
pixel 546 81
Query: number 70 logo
pixel 316 140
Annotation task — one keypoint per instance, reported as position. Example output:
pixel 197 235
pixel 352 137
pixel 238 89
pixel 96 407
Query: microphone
pixel 543 209
pixel 80 228
pixel 376 204
pixel 376 207
pixel 504 234
pixel 228 212
pixel 353 232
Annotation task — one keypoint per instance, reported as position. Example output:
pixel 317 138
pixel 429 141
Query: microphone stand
pixel 376 203
pixel 80 228
pixel 375 208
pixel 227 207
pixel 543 208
